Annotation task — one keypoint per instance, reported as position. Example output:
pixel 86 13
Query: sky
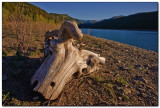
pixel 96 10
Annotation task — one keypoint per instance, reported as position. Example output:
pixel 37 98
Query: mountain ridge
pixel 25 11
pixel 144 20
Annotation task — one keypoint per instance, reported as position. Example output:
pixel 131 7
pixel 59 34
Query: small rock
pixel 83 44
pixel 141 89
pixel 137 66
pixel 143 95
pixel 127 91
pixel 123 68
pixel 120 88
pixel 4 77
pixel 108 72
pixel 120 98
pixel 135 81
pixel 140 78
pixel 78 45
pixel 146 68
pixel 116 75
pixel 35 98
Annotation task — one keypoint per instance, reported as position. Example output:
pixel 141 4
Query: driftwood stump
pixel 63 61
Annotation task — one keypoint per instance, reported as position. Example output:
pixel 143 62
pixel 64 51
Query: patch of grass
pixel 138 52
pixel 109 88
pixel 4 53
pixel 16 102
pixel 125 97
pixel 98 79
pixel 92 45
pixel 111 100
pixel 5 97
pixel 32 53
pixel 101 45
pixel 106 49
pixel 109 85
pixel 25 103
pixel 130 68
pixel 122 81
pixel 142 69
pixel 8 99
pixel 41 50
pixel 141 83
pixel 132 102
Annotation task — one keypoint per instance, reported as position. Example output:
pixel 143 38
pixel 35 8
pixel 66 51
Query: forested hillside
pixel 28 12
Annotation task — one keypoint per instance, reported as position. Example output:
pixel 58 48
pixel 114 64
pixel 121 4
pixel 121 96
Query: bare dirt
pixel 128 78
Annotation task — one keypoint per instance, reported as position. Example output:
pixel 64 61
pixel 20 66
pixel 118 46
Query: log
pixel 63 61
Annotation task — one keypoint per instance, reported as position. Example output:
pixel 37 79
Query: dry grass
pixel 24 37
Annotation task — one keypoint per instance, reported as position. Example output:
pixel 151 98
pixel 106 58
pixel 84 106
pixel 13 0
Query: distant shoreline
pixel 123 29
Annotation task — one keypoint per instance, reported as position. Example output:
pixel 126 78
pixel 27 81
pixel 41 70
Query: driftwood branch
pixel 63 61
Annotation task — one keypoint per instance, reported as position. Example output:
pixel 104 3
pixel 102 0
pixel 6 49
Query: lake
pixel 143 39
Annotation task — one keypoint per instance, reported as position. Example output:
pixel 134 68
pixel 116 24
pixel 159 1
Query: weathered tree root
pixel 63 61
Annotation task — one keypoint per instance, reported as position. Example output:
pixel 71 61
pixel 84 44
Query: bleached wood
pixel 63 60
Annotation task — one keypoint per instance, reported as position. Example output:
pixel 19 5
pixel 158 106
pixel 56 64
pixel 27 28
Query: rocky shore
pixel 129 77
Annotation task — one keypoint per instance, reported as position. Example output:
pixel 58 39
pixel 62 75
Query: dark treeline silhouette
pixel 139 21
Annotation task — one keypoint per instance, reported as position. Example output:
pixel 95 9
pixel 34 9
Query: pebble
pixel 126 91
pixel 140 78
pixel 143 95
pixel 141 89
pixel 123 68
pixel 137 66
pixel 35 98
pixel 116 75
pixel 83 44
pixel 120 98
pixel 108 72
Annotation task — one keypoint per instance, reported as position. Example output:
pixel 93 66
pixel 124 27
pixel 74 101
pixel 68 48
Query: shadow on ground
pixel 17 72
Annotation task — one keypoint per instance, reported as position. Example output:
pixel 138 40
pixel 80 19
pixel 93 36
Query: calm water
pixel 143 39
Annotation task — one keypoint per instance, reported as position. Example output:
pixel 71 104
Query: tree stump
pixel 63 61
